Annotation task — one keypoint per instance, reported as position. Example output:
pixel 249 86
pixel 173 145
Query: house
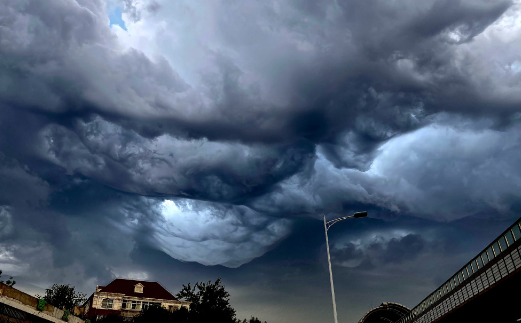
pixel 128 297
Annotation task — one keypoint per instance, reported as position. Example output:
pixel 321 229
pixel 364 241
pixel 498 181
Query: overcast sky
pixel 181 141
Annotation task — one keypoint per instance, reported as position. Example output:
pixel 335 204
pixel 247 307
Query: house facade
pixel 127 298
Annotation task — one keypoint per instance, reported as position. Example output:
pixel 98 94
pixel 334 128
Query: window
pixel 138 288
pixel 510 238
pixel 107 303
pixel 502 243
pixel 170 308
pixel 136 305
pixel 145 305
pixel 484 258
pixel 497 250
pixel 490 253
pixel 517 232
pixel 479 262
pixel 469 269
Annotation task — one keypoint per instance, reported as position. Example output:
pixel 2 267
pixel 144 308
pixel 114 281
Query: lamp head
pixel 360 214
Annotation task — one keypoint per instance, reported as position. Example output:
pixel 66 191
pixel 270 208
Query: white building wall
pixel 118 301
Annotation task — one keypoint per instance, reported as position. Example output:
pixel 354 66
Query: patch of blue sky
pixel 116 18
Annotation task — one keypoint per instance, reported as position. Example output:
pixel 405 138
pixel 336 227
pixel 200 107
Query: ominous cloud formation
pixel 379 251
pixel 207 130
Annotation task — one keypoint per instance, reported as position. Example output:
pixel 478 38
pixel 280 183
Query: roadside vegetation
pixel 210 303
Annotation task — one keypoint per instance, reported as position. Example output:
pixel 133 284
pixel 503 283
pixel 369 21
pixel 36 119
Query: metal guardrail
pixel 496 262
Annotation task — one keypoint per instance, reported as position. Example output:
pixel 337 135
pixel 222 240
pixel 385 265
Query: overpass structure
pixel 486 289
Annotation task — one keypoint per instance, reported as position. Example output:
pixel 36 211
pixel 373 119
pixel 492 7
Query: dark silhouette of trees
pixel 153 314
pixel 112 318
pixel 253 320
pixel 181 315
pixel 10 282
pixel 210 302
pixel 162 315
pixel 63 297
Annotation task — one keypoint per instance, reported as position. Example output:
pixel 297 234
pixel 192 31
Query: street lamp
pixel 328 225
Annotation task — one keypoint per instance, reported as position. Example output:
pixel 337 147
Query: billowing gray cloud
pixel 443 172
pixel 169 166
pixel 379 251
pixel 206 131
pixel 19 186
pixel 239 129
pixel 211 234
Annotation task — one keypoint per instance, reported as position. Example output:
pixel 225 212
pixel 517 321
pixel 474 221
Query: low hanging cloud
pixel 379 251
pixel 20 187
pixel 441 172
pixel 169 166
pixel 215 234
pixel 202 131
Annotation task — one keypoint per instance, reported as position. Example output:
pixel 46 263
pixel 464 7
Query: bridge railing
pixel 497 261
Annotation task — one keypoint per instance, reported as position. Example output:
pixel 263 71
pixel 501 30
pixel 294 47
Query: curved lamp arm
pixel 355 215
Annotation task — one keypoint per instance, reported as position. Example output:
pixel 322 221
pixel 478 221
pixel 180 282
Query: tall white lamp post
pixel 328 225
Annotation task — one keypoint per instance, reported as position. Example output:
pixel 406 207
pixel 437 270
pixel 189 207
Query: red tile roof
pixel 126 287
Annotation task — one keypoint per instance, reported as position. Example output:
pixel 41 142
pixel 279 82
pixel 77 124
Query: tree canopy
pixel 63 296
pixel 252 320
pixel 10 282
pixel 162 315
pixel 210 302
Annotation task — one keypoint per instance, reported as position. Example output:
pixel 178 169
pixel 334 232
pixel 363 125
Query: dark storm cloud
pixel 82 229
pixel 19 186
pixel 396 250
pixel 73 73
pixel 168 166
pixel 204 128
pixel 385 29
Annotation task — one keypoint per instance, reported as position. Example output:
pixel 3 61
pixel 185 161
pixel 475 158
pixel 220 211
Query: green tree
pixel 63 297
pixel 10 282
pixel 210 302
